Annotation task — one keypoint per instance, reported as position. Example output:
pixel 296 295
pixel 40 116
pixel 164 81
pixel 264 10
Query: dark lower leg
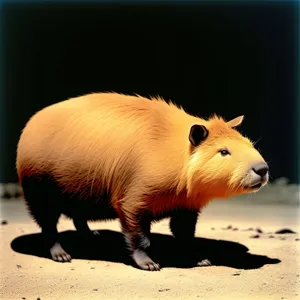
pixel 137 238
pixel 44 203
pixel 183 225
pixel 50 236
pixel 138 244
pixel 82 227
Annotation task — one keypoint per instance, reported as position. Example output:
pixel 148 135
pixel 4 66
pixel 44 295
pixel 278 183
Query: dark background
pixel 232 58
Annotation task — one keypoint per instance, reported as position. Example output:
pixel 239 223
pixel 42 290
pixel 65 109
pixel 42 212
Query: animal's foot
pixel 204 263
pixel 59 254
pixel 144 261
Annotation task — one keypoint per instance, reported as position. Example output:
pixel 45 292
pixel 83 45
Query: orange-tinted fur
pixel 136 148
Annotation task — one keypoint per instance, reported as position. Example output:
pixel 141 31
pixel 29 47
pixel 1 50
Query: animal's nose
pixel 260 169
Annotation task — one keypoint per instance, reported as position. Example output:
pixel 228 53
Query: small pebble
pixel 213 228
pixel 297 239
pixel 259 230
pixel 235 229
pixel 23 298
pixel 92 268
pixel 19 266
pixel 163 290
pixel 38 298
pixel 95 290
pixel 271 236
pixel 72 269
pixel 228 227
pixel 255 236
pixel 284 231
pixel 237 273
pixel 4 222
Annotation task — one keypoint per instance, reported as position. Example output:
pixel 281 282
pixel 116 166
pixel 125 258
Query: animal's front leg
pixel 138 242
pixel 136 229
pixel 183 226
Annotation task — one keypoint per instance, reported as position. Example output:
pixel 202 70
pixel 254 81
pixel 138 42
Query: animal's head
pixel 223 163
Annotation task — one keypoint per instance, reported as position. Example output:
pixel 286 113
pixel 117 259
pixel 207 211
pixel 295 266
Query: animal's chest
pixel 164 204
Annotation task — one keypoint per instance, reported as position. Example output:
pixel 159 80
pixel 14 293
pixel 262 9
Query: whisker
pixel 254 143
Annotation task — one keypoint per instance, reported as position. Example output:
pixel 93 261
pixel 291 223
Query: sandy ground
pixel 243 267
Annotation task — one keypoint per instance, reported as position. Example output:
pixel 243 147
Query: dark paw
pixel 59 254
pixel 204 263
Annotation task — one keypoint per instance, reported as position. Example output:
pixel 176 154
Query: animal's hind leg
pixel 42 199
pixel 51 237
pixel 82 227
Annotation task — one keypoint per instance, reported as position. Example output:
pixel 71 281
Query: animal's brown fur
pixel 138 150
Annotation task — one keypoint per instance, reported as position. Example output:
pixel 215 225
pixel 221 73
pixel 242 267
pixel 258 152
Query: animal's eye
pixel 224 152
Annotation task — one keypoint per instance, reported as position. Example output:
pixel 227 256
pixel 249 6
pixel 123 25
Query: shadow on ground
pixel 110 246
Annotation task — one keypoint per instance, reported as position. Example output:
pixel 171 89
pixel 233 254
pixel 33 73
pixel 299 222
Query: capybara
pixel 104 156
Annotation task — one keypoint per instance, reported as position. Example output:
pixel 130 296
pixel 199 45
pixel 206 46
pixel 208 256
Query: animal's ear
pixel 198 133
pixel 235 122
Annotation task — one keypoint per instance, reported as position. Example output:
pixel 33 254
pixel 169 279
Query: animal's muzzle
pixel 259 175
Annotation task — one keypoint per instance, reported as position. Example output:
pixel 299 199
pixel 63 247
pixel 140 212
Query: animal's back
pixel 97 140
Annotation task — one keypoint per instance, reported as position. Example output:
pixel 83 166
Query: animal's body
pixel 105 156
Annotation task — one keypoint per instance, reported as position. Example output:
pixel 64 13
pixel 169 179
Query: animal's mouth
pixel 254 186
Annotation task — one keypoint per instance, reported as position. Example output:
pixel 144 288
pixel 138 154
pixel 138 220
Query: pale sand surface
pixel 109 277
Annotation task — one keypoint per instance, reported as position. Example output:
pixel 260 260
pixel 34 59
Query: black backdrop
pixel 232 58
